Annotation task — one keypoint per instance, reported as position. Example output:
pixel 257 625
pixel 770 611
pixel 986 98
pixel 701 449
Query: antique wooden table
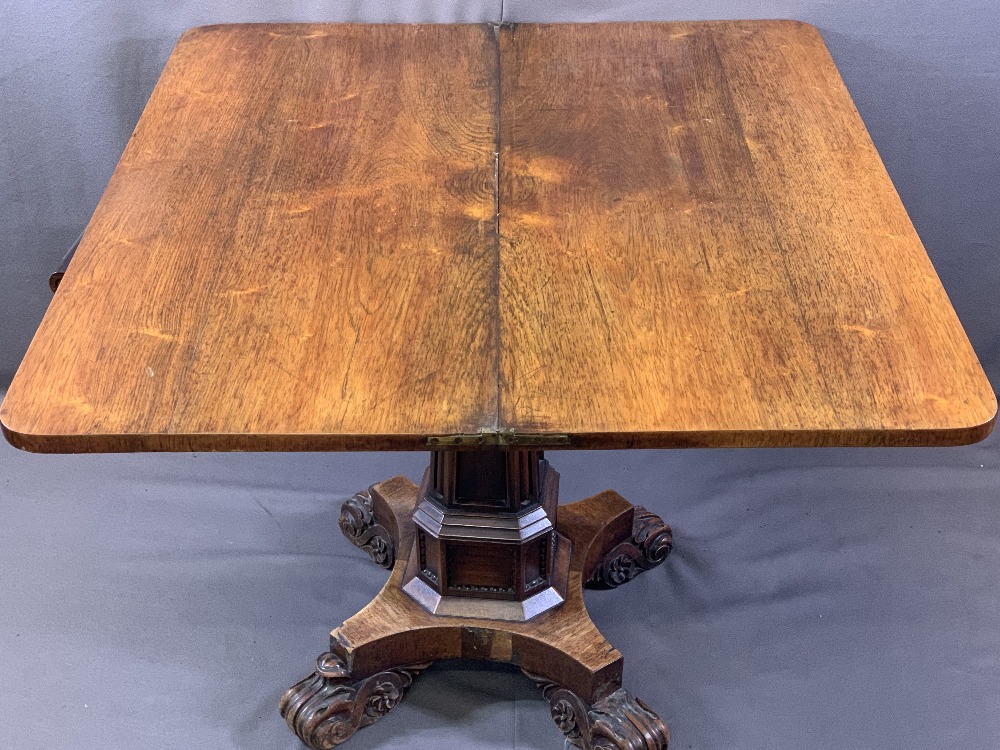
pixel 488 242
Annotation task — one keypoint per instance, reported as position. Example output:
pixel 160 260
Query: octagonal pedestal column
pixel 486 544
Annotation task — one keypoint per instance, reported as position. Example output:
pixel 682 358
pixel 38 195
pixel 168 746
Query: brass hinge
pixel 500 437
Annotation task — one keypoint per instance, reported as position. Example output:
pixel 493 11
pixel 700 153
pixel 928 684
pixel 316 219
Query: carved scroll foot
pixel 358 522
pixel 649 545
pixel 329 706
pixel 616 722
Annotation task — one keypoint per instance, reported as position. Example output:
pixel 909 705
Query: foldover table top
pixel 354 237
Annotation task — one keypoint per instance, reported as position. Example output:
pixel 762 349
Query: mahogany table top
pixel 358 237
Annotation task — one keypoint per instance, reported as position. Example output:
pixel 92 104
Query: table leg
pixel 648 545
pixel 362 528
pixel 600 542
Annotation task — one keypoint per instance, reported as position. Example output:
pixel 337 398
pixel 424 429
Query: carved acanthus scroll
pixel 616 722
pixel 329 706
pixel 651 542
pixel 360 526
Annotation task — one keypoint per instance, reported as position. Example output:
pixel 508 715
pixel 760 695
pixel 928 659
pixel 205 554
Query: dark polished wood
pixel 485 530
pixel 618 721
pixel 395 636
pixel 348 237
pixel 329 706
pixel 360 525
pixel 648 545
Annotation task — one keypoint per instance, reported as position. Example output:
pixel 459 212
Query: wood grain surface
pixel 688 239
pixel 296 251
pixel 700 246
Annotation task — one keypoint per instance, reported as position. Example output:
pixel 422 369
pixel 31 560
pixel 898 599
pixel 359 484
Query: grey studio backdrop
pixel 815 599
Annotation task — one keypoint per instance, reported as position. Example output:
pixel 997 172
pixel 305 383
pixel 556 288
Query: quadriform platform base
pixel 603 541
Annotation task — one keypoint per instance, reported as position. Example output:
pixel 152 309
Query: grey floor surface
pixel 815 599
